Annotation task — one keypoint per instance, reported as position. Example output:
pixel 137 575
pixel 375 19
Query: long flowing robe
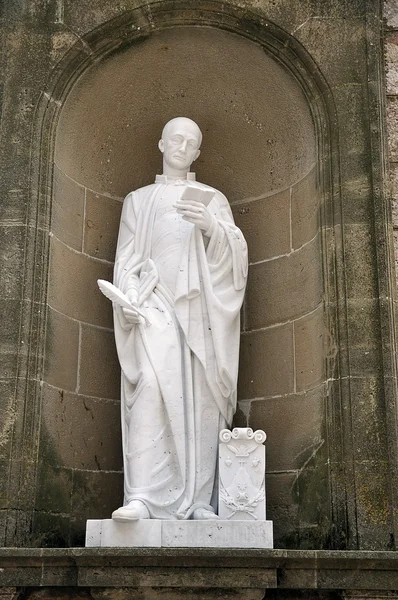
pixel 179 373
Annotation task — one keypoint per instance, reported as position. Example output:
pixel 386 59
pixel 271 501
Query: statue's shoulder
pixel 141 192
pixel 136 198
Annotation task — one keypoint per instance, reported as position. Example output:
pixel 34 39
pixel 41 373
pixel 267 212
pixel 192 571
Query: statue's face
pixel 180 144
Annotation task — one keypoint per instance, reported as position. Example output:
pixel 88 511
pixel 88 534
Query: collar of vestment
pixel 175 180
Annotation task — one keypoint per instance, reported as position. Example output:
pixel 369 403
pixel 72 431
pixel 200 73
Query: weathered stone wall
pixel 391 54
pixel 271 177
pixel 333 456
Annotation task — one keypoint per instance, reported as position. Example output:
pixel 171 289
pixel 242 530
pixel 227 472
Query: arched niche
pixel 261 149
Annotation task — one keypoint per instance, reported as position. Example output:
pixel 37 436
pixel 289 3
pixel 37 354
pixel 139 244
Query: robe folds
pixel 179 370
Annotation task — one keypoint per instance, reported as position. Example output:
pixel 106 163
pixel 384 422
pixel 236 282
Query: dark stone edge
pixel 198 568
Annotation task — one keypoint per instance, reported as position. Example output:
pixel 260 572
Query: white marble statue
pixel 182 267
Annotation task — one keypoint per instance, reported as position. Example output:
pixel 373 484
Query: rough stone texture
pixel 269 177
pixel 102 217
pixel 62 351
pixel 153 593
pixel 67 216
pixel 120 573
pixel 90 59
pixel 78 425
pixel 99 371
pixel 274 210
pixel 73 288
pixel 257 104
pixel 391 58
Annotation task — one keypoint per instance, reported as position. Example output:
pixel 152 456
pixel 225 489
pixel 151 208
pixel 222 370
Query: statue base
pixel 155 533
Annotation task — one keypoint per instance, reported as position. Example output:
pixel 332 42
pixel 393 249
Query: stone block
pixel 10 311
pixel 109 533
pixel 266 363
pixel 360 262
pixel 4 475
pixel 285 288
pixel 294 425
pixel 80 18
pixel 392 127
pixel 305 209
pixel 54 484
pixel 363 321
pixel 265 222
pixel 8 417
pixel 101 225
pixel 12 257
pixel 173 593
pixel 365 357
pixel 309 345
pixel 62 349
pixel 395 236
pixel 50 530
pixel 373 512
pixel 241 414
pixel 357 190
pixel 73 288
pixel 99 373
pixel 391 13
pixel 393 174
pixel 63 41
pixel 391 49
pixel 283 509
pixel 180 534
pixel 9 593
pixel 343 58
pixel 67 210
pixel 353 109
pixel 84 432
pixel 369 432
pixel 369 595
pixel 96 494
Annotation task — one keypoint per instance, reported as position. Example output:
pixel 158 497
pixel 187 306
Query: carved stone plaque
pixel 242 475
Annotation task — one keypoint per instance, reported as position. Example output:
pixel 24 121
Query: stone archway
pixel 280 210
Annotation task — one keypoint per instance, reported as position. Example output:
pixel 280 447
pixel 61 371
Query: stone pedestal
pixel 155 533
pixel 242 522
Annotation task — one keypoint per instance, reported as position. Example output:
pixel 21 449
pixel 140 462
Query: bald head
pixel 184 123
pixel 180 145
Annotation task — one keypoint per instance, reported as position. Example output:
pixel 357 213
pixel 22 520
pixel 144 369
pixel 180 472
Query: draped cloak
pixel 179 371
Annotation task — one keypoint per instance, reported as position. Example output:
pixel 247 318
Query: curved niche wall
pixel 259 149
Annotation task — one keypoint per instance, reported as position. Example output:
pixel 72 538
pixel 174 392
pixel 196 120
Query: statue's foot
pixel 201 514
pixel 133 511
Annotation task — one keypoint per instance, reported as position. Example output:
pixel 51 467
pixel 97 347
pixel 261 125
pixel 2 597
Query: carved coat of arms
pixel 242 474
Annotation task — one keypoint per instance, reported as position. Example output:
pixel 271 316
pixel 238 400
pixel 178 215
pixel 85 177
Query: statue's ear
pixel 161 145
pixel 196 156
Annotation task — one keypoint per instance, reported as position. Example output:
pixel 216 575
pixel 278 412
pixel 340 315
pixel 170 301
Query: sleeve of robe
pixel 212 302
pixel 126 278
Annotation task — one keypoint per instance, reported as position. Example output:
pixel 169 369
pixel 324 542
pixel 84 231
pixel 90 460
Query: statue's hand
pixel 196 213
pixel 131 316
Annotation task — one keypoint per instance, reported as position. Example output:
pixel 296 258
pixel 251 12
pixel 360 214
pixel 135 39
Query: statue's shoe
pixel 202 514
pixel 133 511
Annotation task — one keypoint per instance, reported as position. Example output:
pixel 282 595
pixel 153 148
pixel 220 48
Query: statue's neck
pixel 174 173
pixel 170 178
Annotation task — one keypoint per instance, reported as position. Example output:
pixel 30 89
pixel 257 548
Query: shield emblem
pixel 242 474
